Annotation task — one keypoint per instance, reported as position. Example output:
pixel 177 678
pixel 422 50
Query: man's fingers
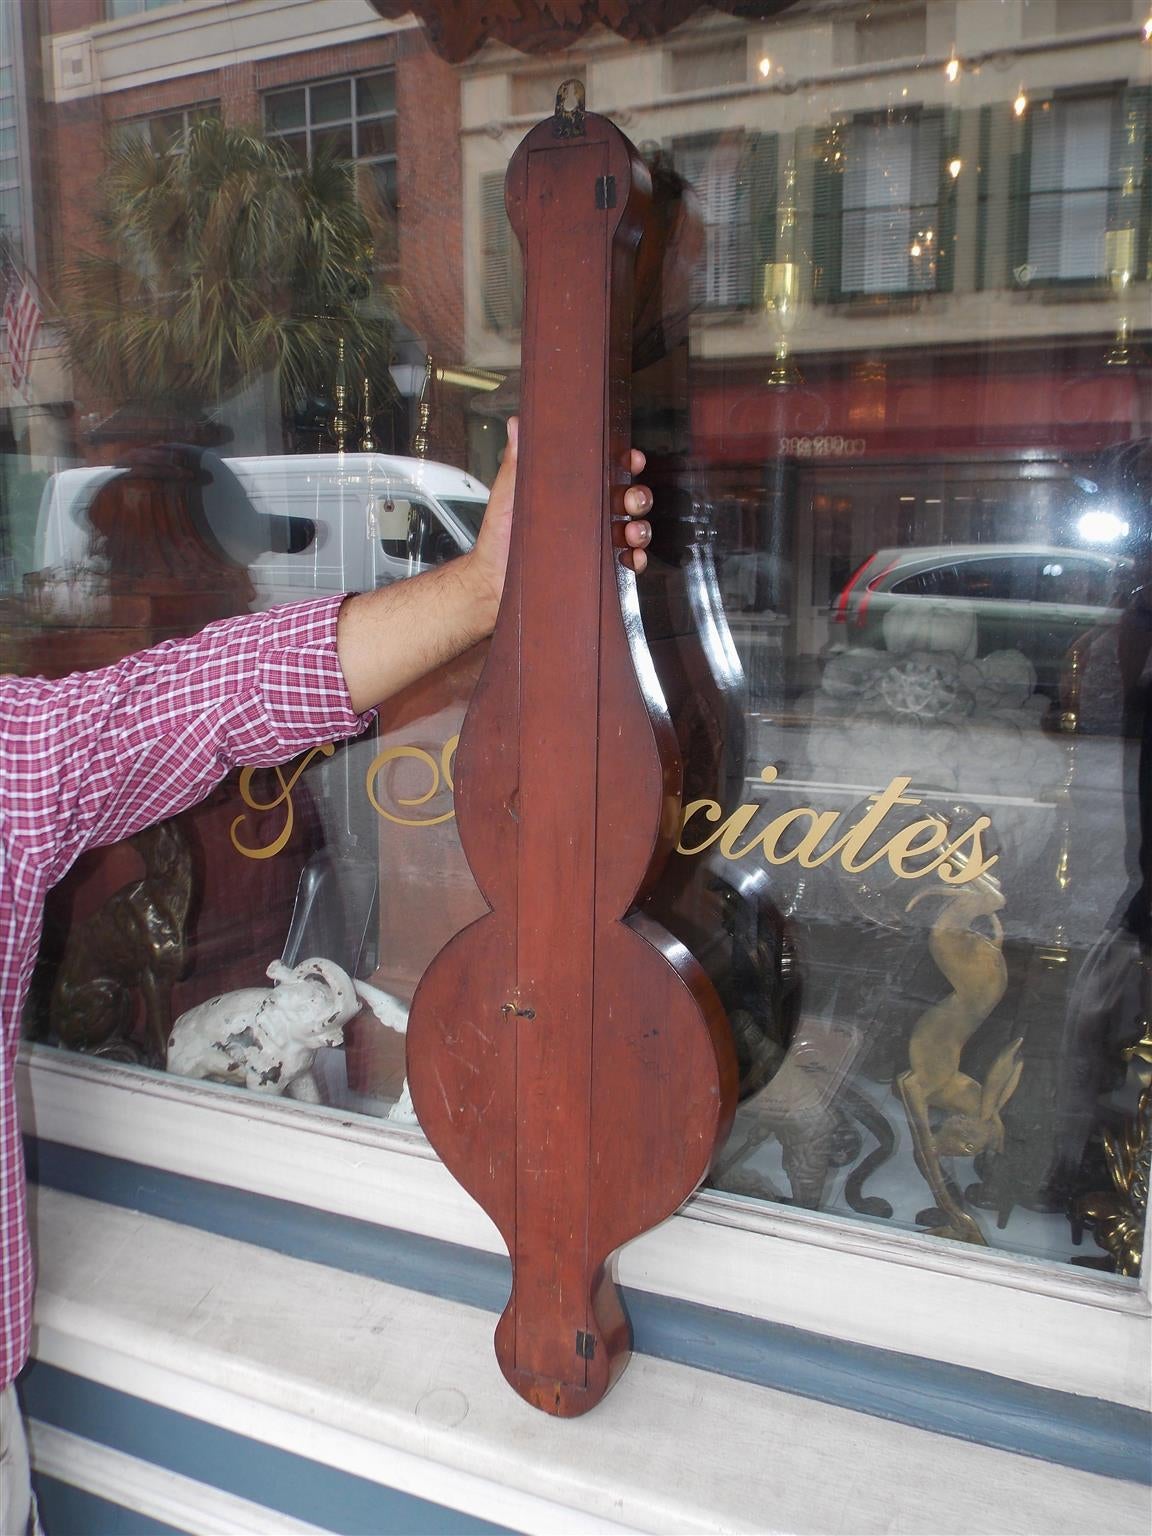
pixel 638 506
pixel 637 535
pixel 638 530
pixel 637 500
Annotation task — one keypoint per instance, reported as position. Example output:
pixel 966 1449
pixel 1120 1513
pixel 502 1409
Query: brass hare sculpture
pixel 973 963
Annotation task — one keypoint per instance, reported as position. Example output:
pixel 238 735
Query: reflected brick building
pixel 152 72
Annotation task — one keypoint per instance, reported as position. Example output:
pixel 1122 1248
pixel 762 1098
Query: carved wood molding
pixel 458 28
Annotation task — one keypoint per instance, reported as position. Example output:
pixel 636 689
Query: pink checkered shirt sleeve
pixel 93 758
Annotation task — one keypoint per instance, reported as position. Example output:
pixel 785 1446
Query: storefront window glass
pixel 892 367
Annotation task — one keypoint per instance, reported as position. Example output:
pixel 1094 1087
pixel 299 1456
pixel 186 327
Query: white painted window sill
pixel 1046 1325
pixel 403 1389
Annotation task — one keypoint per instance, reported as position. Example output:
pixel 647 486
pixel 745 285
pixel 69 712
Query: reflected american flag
pixel 22 317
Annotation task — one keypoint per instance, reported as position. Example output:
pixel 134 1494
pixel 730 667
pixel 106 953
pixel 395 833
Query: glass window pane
pixel 384 179
pixel 376 138
pixel 134 130
pixel 1072 145
pixel 332 103
pixel 10 211
pixel 334 141
pixel 717 172
pixel 1066 234
pixel 284 110
pixel 376 93
pixel 166 130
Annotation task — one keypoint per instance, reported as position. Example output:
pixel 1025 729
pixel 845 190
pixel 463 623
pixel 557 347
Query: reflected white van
pixel 304 524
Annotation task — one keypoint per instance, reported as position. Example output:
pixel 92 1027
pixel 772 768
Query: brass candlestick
pixel 367 441
pixel 424 412
pixel 341 422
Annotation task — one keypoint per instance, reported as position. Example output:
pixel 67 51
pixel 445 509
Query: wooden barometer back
pixel 568 1059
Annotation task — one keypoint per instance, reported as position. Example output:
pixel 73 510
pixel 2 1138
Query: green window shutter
pixel 503 267
pixel 1019 196
pixel 1135 175
pixel 763 198
pixel 983 173
pixel 827 214
pixel 946 215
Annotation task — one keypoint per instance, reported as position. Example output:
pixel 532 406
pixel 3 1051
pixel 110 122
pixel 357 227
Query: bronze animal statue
pixel 133 947
pixel 973 964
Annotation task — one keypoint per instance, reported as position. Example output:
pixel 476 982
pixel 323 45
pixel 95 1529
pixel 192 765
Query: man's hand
pixel 490 557
pixel 389 638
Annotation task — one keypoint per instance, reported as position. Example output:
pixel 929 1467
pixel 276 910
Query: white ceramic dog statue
pixel 266 1039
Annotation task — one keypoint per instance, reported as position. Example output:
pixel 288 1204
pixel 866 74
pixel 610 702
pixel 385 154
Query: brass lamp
pixel 1119 259
pixel 781 296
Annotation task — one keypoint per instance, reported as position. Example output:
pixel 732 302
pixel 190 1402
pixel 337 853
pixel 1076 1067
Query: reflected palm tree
pixel 224 260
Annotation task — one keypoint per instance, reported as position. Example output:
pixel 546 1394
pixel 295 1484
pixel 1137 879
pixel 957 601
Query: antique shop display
pixel 897 596
pixel 568 1059
pixel 267 1040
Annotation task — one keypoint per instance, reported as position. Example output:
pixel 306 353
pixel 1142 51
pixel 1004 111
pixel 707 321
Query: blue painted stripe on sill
pixel 1060 1427
pixel 65 1509
pixel 406 1259
pixel 283 1482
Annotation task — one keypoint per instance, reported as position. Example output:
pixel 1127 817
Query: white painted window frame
pixel 1039 1323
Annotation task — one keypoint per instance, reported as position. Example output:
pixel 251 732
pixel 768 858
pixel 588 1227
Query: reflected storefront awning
pixel 876 412
pixel 458 28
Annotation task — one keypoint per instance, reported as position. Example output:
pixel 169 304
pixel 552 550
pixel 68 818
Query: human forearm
pixel 389 638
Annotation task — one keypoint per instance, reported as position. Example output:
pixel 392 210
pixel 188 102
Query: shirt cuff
pixel 302 687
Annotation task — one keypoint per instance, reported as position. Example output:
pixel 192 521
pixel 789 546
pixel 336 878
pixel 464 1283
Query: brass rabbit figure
pixel 973 964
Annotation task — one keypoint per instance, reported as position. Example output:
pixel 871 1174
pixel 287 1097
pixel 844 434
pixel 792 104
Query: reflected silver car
pixel 1023 597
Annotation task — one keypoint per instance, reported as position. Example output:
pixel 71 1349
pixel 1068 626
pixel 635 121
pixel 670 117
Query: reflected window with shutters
pixel 732 182
pixel 890 210
pixel 1076 183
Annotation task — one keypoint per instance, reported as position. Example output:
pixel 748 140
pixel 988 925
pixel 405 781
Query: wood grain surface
pixel 567 1058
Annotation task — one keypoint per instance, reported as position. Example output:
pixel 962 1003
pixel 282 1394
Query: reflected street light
pixel 1101 527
